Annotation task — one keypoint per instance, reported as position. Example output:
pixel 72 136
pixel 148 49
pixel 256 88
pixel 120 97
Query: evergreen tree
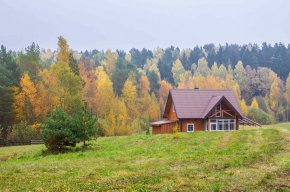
pixel 86 124
pixel 29 61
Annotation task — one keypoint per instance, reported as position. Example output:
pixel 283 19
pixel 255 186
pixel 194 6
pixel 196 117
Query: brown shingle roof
pixel 196 103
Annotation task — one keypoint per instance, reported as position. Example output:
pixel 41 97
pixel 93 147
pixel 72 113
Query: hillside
pixel 246 160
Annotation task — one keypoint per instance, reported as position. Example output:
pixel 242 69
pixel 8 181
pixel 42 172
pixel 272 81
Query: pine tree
pixel 29 61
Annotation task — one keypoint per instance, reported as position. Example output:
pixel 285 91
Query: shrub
pixel 260 116
pixel 176 133
pixel 59 131
pixel 22 133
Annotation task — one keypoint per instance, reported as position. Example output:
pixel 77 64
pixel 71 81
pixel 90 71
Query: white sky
pixel 123 24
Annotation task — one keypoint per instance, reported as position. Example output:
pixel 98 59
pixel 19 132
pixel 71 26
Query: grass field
pixel 252 159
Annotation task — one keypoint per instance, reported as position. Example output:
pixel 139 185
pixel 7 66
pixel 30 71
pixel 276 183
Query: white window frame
pixel 192 127
pixel 213 123
pixel 229 123
pixel 220 110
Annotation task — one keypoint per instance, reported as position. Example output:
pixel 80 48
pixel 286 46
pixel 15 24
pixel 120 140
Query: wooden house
pixel 199 110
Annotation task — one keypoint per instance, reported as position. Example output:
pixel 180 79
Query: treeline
pixel 127 90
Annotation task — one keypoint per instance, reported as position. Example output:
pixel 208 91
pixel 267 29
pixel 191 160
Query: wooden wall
pixel 171 114
pixel 164 128
pixel 198 124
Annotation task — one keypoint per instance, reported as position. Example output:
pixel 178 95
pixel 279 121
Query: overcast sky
pixel 123 24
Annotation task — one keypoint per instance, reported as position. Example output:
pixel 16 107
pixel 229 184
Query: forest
pixel 125 91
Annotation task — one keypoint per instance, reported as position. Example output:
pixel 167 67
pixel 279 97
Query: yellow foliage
pixel 275 94
pixel 287 90
pixel 129 94
pixel 25 100
pixel 163 93
pixel 144 85
pixel 176 133
pixel 254 104
pixel 64 51
pixel 244 107
pixel 104 92
pixel 109 63
pixel 154 112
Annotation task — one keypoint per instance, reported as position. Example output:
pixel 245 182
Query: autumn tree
pixel 25 100
pixel 163 93
pixel 214 70
pixel 254 104
pixel 274 95
pixel 244 107
pixel 154 111
pixel 240 76
pixel 144 96
pixel 129 94
pixel 152 72
pixel 63 50
pixel 202 68
pixel 73 64
pixel 104 92
pixel 287 94
pixel 177 70
pixel 109 63
pixel 222 72
pixel 61 84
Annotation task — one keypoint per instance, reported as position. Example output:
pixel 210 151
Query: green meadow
pixel 251 159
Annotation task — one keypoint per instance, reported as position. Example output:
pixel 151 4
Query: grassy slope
pixel 250 159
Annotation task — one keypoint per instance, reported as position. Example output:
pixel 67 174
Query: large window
pixel 213 125
pixel 222 124
pixel 190 127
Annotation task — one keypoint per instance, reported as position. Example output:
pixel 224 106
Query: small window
pixel 218 110
pixel 190 127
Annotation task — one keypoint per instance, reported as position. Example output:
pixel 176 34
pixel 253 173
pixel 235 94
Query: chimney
pixel 196 88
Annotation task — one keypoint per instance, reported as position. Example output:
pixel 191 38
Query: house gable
pixel 170 111
pixel 227 109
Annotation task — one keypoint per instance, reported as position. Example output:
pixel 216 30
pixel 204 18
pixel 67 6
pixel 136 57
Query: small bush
pixel 260 116
pixel 22 133
pixel 176 133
